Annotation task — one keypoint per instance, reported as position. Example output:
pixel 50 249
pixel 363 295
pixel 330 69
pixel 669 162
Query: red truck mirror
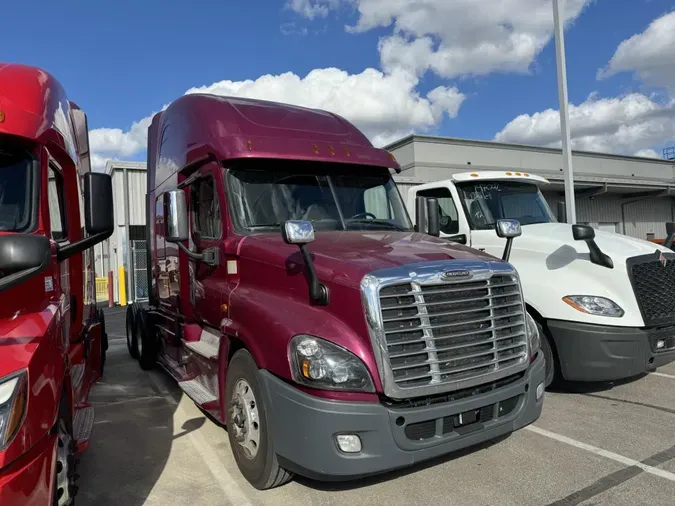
pixel 175 216
pixel 98 214
pixel 22 256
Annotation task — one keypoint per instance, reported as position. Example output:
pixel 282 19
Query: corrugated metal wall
pixel 642 217
pixel 137 189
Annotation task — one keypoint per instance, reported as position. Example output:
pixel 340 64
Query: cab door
pixel 207 282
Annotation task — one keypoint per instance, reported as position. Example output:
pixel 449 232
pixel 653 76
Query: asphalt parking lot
pixel 601 445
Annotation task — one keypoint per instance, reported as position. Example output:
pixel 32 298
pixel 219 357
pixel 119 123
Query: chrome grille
pixel 440 333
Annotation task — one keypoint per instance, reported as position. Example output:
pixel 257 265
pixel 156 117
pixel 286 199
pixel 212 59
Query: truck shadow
pixel 575 388
pixel 133 439
pixel 368 481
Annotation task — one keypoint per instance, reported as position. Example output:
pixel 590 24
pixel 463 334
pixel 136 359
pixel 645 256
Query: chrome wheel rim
pixel 245 420
pixel 64 461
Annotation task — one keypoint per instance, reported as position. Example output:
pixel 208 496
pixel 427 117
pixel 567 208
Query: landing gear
pixel 247 424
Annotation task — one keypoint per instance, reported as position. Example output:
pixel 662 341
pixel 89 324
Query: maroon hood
pixel 346 257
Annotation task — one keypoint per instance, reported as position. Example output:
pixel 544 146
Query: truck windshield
pixel 485 202
pixel 331 196
pixel 16 189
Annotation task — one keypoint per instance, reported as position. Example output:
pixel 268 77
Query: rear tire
pixel 247 425
pixel 147 341
pixel 132 332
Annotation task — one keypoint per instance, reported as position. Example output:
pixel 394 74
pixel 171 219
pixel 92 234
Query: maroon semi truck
pixel 293 300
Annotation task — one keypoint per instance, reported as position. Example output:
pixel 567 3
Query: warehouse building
pixel 624 194
pixel 123 254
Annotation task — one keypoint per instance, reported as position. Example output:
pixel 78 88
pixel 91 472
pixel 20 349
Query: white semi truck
pixel 605 302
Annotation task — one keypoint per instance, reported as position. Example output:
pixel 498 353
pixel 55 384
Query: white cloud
pixel 384 106
pixel 647 153
pixel 611 125
pixel 312 9
pixel 454 37
pixel 650 54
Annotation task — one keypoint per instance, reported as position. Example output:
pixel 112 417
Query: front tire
pixel 552 365
pixel 65 488
pixel 247 425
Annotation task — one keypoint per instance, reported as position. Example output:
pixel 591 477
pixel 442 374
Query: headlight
pixel 318 363
pixel 13 393
pixel 533 336
pixel 591 304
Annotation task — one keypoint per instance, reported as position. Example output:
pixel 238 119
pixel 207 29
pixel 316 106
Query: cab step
pixel 76 375
pixel 83 425
pixel 197 391
pixel 207 346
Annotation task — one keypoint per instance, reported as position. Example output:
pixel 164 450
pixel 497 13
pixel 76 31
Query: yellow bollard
pixel 123 286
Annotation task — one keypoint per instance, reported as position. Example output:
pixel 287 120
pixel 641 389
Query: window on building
pixel 205 208
pixel 57 206
pixel 446 207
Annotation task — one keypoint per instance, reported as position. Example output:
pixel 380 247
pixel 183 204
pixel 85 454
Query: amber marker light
pixel 2 116
pixel 576 306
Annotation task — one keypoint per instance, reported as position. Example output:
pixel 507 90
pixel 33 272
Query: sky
pixel 476 69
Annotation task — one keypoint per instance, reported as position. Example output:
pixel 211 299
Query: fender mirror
pixel 301 233
pixel 508 229
pixel 587 234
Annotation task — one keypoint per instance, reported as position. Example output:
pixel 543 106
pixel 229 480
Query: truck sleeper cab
pixel 53 342
pixel 292 299
pixel 604 302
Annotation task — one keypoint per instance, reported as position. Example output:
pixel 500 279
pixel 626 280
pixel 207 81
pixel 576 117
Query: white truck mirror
pixel 508 229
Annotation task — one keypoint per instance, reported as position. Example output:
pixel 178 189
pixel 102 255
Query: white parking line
pixel 603 453
pixel 663 375
pixel 230 489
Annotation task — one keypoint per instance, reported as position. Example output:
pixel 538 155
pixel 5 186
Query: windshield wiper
pixel 378 222
pixel 267 225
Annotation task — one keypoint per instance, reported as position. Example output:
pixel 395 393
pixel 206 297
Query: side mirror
pixel 587 234
pixel 508 229
pixel 301 233
pixel 433 218
pixel 99 216
pixel 22 257
pixel 175 216
pixel 670 235
pixel 98 203
pixel 297 232
pixel 583 233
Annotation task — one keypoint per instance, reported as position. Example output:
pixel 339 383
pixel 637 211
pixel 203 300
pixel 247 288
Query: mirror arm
pixel 507 249
pixel 317 291
pixel 597 256
pixel 67 251
pixel 209 256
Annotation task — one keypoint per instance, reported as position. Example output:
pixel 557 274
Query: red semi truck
pixel 292 299
pixel 53 209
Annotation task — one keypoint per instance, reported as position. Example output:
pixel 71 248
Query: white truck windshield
pixel 331 198
pixel 485 202
pixel 16 190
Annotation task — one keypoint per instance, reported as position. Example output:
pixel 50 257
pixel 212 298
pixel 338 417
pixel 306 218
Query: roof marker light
pixel 517 173
pixel 473 174
pixel 2 116
pixel 509 174
pixel 315 148
pixel 250 145
pixel 526 174
pixel 332 151
pixel 347 152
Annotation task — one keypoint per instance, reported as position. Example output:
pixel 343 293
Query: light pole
pixel 568 171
